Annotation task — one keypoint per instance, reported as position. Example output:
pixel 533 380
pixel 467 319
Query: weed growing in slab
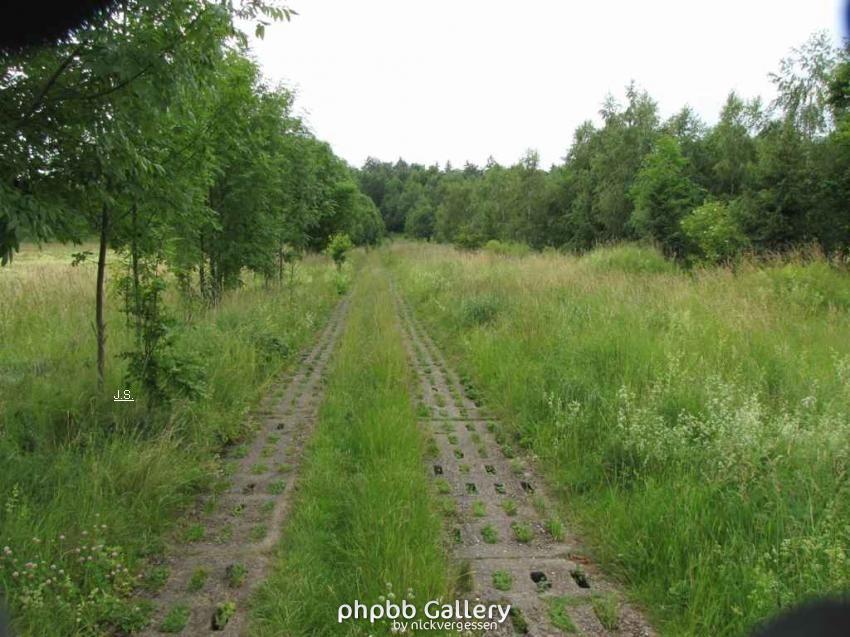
pixel 276 487
pixel 464 468
pixel 539 505
pixel 479 509
pixel 489 534
pixel 517 467
pixel 555 528
pixel 235 575
pixel 448 507
pixel 267 507
pixel 443 486
pixel 518 620
pixel 259 468
pixel 559 616
pixel 258 532
pixel 175 619
pixel 607 610
pixel 197 580
pixel 453 439
pixel 523 532
pixel 155 578
pixel 194 533
pixel 284 468
pixel 510 507
pixel 268 451
pixel 272 439
pixel 465 581
pixel 502 580
pixel 224 612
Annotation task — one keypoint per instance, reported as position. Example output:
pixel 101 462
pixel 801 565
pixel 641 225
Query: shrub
pixel 628 258
pixel 715 232
pixel 507 248
pixel 338 247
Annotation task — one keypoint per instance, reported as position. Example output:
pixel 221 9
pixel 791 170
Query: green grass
pixel 559 615
pixel 175 619
pixel 694 423
pixel 523 532
pixel 489 534
pixel 197 581
pixel 502 580
pixel 384 526
pixel 71 458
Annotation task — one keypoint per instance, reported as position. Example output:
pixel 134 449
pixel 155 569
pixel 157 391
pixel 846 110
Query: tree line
pixel 765 177
pixel 151 129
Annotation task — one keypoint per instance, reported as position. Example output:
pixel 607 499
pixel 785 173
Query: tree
pixel 338 247
pixel 663 194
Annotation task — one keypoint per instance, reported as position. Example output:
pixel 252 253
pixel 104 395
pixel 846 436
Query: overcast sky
pixel 461 80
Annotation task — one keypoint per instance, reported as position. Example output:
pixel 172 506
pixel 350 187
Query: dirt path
pixel 242 525
pixel 473 464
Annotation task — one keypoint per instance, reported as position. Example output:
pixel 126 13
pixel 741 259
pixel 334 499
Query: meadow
pixel 90 489
pixel 695 425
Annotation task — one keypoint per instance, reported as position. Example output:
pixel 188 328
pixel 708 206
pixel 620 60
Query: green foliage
pixel 175 619
pixel 663 194
pixel 338 247
pixel 502 580
pixel 713 229
pixel 224 612
pixel 629 259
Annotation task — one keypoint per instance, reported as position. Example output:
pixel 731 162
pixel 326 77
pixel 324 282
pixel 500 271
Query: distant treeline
pixel 764 178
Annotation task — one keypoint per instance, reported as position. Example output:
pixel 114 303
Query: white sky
pixel 464 79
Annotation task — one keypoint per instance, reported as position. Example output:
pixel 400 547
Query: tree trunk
pixel 202 279
pixel 137 299
pixel 100 324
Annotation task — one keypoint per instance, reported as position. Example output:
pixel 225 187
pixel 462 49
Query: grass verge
pixel 89 487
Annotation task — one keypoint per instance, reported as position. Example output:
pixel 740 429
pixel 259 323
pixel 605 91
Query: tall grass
pixel 71 459
pixel 364 523
pixel 696 425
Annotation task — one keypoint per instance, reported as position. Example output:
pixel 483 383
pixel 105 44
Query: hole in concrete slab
pixel 471 488
pixel 457 536
pixel 280 426
pixel 438 470
pixel 500 488
pixel 458 454
pixel 490 469
pixel 527 487
pixel 470 426
pixel 580 578
pixel 539 578
pixel 249 488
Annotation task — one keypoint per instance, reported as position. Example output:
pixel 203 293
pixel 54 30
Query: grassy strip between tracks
pixel 364 523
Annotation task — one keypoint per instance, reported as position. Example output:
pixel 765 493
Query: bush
pixel 715 232
pixel 506 248
pixel 338 247
pixel 632 259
